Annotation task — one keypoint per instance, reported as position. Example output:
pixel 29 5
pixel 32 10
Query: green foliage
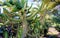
pixel 5 34
pixel 33 23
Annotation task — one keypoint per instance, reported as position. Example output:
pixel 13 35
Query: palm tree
pixel 9 11
pixel 44 8
pixel 16 11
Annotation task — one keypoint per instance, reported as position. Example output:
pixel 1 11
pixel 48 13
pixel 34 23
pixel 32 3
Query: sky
pixel 2 0
pixel 34 3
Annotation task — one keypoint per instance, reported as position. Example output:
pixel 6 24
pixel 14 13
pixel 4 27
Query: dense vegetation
pixel 18 20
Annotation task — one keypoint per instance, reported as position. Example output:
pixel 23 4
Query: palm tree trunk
pixel 24 29
pixel 24 25
pixel 42 21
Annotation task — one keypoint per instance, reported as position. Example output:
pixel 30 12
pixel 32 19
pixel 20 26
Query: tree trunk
pixel 24 29
pixel 24 25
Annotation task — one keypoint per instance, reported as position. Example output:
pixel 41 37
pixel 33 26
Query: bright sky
pixel 34 3
pixel 2 0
